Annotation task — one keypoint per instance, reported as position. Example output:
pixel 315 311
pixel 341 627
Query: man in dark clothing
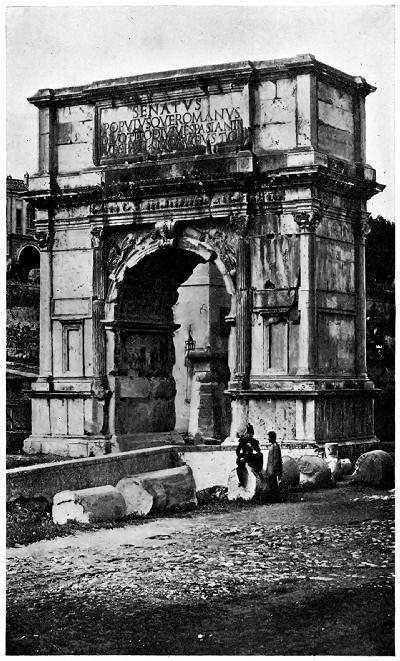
pixel 274 467
pixel 248 452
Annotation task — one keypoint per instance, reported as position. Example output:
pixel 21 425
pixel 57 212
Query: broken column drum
pixel 255 172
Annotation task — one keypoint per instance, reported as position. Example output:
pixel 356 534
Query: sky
pixel 55 46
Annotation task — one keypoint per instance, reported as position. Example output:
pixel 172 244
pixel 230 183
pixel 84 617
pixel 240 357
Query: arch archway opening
pixel 167 296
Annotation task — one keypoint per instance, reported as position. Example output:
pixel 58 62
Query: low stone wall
pixel 210 464
pixel 45 480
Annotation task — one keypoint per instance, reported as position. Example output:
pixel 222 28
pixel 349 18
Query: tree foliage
pixel 380 256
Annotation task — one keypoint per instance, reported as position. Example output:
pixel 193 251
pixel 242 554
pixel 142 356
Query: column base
pixel 351 449
pixel 68 446
pixel 355 447
pixel 307 414
pixel 93 446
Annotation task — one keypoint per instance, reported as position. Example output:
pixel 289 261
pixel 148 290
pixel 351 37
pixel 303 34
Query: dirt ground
pixel 314 575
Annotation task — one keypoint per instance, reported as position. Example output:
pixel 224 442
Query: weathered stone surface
pixel 88 505
pixel 136 416
pixel 346 467
pixel 46 480
pixel 134 387
pixel 375 468
pixel 332 459
pixel 164 389
pixel 314 472
pixel 159 490
pixel 290 473
pixel 289 253
pixel 211 465
pixel 339 468
pixel 254 485
pixel 148 440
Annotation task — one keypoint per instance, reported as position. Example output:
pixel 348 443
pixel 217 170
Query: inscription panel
pixel 195 125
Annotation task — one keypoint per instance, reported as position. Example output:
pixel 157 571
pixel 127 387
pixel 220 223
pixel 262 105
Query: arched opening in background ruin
pixel 29 264
pixel 171 354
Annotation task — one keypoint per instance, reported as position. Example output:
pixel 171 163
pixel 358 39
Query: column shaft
pixel 361 300
pixel 243 316
pixel 98 345
pixel 308 346
pixel 307 305
pixel 46 341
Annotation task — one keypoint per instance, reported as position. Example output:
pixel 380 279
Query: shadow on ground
pixel 295 619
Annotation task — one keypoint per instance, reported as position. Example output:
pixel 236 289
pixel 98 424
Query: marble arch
pixel 255 169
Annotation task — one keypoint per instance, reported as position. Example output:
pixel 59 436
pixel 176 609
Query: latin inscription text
pixel 159 128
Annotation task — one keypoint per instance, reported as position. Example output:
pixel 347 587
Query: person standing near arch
pixel 274 467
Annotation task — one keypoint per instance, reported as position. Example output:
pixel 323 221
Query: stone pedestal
pixel 209 408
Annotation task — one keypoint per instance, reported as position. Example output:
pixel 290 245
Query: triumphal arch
pixel 202 258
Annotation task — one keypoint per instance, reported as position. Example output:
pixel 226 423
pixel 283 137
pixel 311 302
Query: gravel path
pixel 313 576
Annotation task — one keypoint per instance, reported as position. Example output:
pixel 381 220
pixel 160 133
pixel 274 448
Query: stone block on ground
pixel 338 467
pixel 314 472
pixel 375 469
pixel 332 460
pixel 158 490
pixel 346 467
pixel 255 485
pixel 88 505
pixel 290 473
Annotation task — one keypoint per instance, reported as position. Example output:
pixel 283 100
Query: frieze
pixel 176 203
pixel 228 198
pixel 259 200
pixel 150 205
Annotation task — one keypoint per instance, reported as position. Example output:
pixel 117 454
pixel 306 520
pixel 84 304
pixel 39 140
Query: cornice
pixel 198 81
pixel 327 179
pixel 206 185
